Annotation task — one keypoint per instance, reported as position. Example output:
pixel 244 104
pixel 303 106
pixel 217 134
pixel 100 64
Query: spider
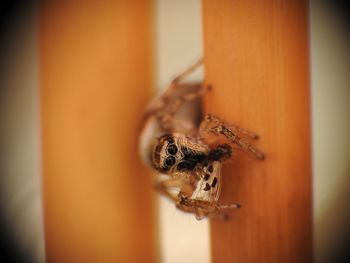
pixel 189 149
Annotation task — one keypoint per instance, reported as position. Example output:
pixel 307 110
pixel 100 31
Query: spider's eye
pixel 170 161
pixel 172 149
pixel 169 138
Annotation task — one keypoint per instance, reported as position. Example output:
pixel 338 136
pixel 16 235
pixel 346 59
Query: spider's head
pixel 177 153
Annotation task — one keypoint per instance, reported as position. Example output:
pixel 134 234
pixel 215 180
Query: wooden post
pixel 257 59
pixel 95 60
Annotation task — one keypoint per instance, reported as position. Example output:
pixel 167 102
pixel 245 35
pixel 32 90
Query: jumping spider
pixel 176 140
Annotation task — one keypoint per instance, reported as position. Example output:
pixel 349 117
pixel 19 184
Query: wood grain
pixel 95 60
pixel 257 59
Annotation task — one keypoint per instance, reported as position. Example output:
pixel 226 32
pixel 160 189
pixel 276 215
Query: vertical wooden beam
pixel 257 59
pixel 95 78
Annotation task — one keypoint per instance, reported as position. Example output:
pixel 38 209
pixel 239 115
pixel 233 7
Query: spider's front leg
pixel 212 125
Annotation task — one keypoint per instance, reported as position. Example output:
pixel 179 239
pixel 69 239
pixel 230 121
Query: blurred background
pixel 60 113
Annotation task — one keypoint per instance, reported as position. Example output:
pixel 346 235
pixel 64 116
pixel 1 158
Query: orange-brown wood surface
pixel 95 80
pixel 256 58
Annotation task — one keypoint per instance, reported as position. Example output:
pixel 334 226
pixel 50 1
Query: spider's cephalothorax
pixel 175 153
pixel 176 140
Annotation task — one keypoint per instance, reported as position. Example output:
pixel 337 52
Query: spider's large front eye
pixel 172 149
pixel 170 161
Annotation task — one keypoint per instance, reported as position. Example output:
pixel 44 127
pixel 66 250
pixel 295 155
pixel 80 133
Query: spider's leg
pixel 221 207
pixel 165 107
pixel 248 133
pixel 191 206
pixel 173 104
pixel 213 125
pixel 178 101
pixel 207 205
pixel 164 187
pixel 204 208
pixel 187 72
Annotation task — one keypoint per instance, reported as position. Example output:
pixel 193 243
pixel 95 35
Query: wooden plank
pixel 257 60
pixel 95 79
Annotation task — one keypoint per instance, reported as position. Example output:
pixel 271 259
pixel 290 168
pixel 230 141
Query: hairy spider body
pixel 178 141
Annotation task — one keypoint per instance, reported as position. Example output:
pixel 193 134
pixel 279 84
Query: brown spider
pixel 176 140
